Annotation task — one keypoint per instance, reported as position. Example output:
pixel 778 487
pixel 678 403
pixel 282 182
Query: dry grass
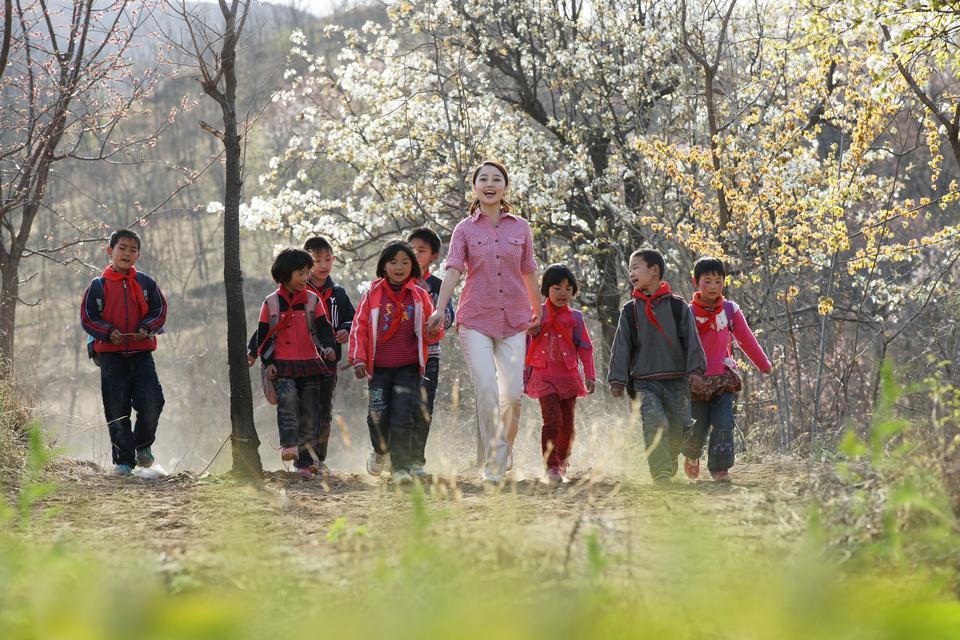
pixel 15 417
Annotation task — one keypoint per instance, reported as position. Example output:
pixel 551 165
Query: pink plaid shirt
pixel 495 260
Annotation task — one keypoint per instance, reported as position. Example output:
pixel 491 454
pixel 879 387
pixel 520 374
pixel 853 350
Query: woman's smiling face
pixel 490 185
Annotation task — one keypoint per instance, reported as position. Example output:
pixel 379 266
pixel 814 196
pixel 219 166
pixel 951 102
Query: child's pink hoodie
pixel 717 344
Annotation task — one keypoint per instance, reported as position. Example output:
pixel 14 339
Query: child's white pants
pixel 496 367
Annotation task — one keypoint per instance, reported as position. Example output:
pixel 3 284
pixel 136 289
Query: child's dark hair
pixel 708 265
pixel 652 257
pixel 390 250
pixel 317 244
pixel 427 235
pixel 288 261
pixel 555 274
pixel 119 234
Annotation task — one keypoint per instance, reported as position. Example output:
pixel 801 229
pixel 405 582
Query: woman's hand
pixel 434 321
pixel 535 319
pixel 360 370
pixel 591 386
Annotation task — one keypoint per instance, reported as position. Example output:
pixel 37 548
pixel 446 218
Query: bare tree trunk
pixel 9 294
pixel 245 442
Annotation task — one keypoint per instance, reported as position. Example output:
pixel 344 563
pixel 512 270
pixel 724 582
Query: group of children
pixel 676 358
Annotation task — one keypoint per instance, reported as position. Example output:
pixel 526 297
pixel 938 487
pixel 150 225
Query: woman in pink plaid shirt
pixel 499 304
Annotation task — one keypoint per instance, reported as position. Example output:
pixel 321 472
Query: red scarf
pixel 700 310
pixel 298 298
pixel 323 293
pixel 551 323
pixel 662 290
pixel 397 298
pixel 130 278
pixel 325 298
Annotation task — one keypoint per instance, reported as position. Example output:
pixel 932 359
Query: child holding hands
pixel 389 348
pixel 552 368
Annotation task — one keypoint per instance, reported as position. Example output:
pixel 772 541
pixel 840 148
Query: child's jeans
pixel 321 432
pixel 390 413
pixel 556 439
pixel 423 417
pixel 129 382
pixel 718 413
pixel 298 402
pixel 665 413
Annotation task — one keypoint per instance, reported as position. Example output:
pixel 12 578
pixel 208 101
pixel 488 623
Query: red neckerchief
pixel 130 278
pixel 324 294
pixel 298 298
pixel 711 312
pixel 426 274
pixel 662 290
pixel 397 299
pixel 551 323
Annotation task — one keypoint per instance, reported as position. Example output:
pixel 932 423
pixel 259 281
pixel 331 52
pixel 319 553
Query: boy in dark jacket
pixel 426 244
pixel 654 350
pixel 340 313
pixel 123 311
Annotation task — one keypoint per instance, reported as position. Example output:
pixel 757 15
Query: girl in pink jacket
pixel 553 375
pixel 718 321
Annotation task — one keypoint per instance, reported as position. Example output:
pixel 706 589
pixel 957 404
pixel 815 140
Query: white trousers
pixel 496 367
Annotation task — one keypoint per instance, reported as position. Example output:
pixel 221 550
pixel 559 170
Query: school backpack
pixel 277 321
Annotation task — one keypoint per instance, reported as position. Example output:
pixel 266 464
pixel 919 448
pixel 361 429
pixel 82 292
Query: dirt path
pixel 328 529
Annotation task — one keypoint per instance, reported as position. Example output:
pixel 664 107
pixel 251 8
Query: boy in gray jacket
pixel 654 350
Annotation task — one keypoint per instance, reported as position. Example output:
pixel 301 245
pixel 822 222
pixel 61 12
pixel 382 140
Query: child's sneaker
pixel 555 475
pixel 122 470
pixel 376 462
pixel 419 473
pixel 691 467
pixel 145 458
pixel 289 453
pixel 305 473
pixel 402 478
pixel 720 476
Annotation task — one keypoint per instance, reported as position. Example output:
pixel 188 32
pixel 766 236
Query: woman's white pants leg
pixel 496 367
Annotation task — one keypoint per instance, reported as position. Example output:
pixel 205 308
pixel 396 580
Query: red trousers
pixel 556 439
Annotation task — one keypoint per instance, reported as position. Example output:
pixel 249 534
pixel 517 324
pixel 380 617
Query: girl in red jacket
pixel 552 367
pixel 295 343
pixel 388 347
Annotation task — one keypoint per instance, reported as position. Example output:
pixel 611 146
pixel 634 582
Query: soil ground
pixel 328 529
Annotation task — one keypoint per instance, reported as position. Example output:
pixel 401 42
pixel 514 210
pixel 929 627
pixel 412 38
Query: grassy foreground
pixel 865 549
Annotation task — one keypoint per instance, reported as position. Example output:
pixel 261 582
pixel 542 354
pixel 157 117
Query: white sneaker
pixel 376 462
pixel 402 478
